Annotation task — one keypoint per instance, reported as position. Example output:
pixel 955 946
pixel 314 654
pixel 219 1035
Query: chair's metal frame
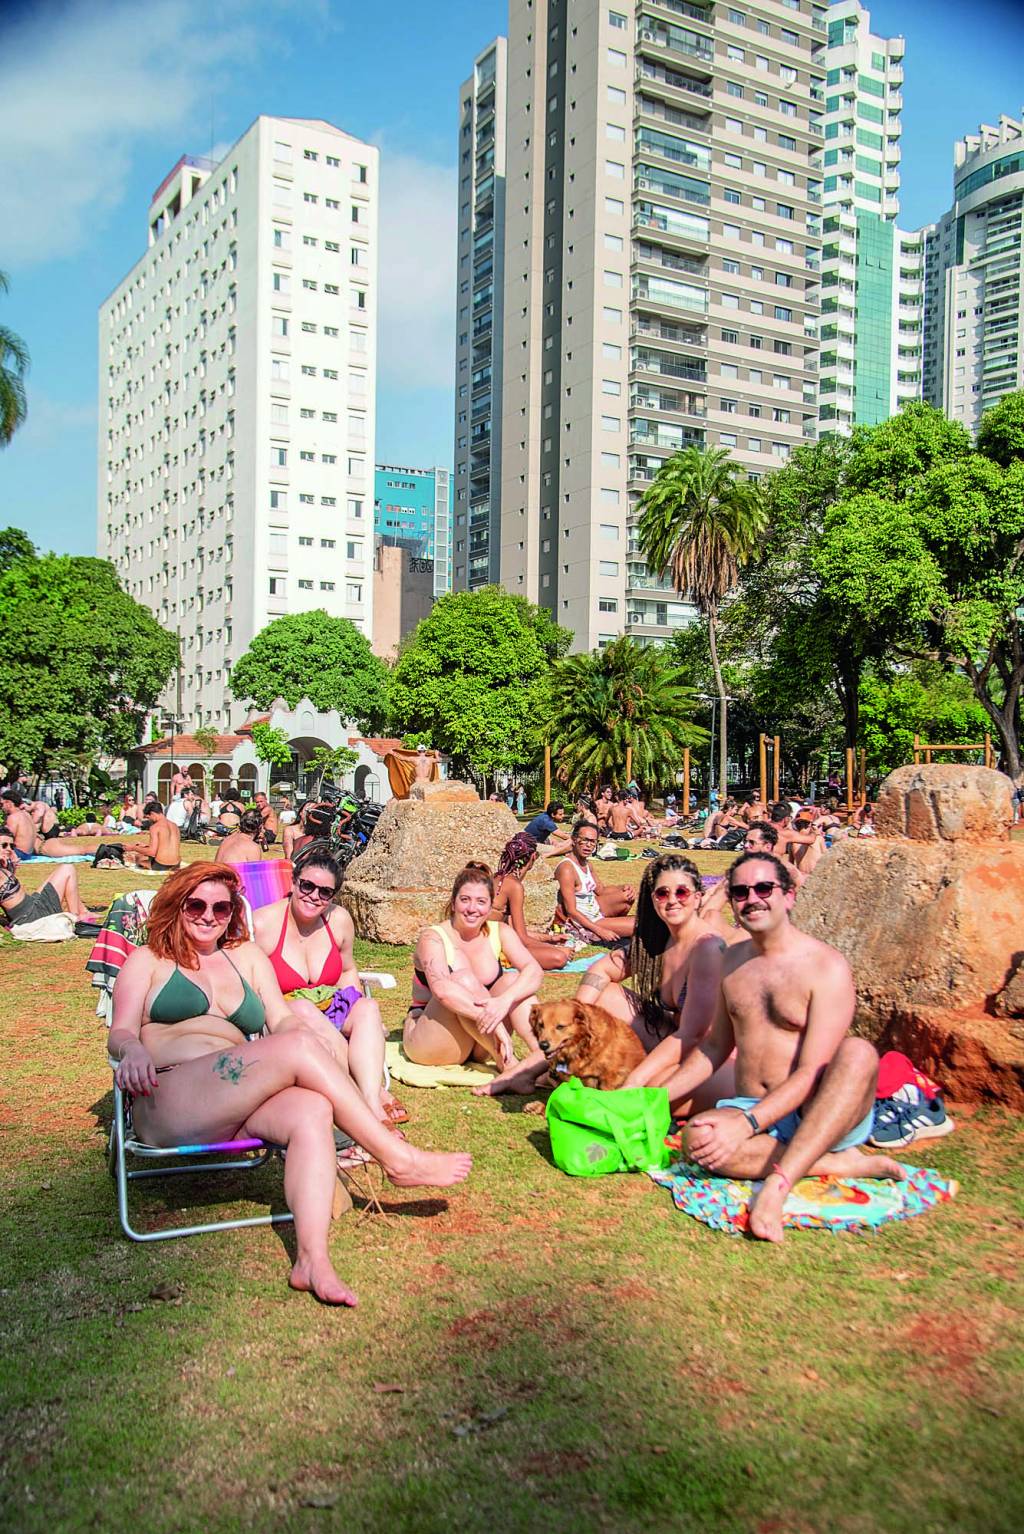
pixel 244 1155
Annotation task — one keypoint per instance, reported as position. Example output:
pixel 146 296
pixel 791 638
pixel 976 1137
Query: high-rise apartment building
pixel 872 272
pixel 412 510
pixel 662 251
pixel 974 308
pixel 237 381
pixel 479 303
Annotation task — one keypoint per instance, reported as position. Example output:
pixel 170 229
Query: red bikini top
pixel 288 979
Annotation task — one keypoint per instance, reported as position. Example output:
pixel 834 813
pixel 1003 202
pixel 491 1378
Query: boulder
pixel 402 881
pixel 927 913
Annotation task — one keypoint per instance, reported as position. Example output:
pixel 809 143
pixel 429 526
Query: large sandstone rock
pixel 402 881
pixel 928 914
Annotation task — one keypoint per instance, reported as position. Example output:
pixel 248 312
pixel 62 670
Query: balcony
pixel 655 255
pixel 684 8
pixel 676 40
pixel 651 178
pixel 691 227
pixel 663 434
pixel 663 330
pixel 661 292
pixel 667 365
pixel 667 401
pixel 676 117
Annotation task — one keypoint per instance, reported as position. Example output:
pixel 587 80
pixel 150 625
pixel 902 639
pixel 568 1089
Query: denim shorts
pixel 787 1126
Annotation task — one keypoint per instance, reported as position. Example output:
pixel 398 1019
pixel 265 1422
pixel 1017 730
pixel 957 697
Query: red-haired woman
pixel 190 1010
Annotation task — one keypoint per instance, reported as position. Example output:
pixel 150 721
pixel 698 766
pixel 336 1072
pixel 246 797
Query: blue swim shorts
pixel 787 1127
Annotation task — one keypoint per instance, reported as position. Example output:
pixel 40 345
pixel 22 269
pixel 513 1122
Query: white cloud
pixel 418 238
pixel 81 89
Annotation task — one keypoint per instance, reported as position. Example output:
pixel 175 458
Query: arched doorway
pixel 163 782
pixel 365 784
pixel 247 780
pixel 197 772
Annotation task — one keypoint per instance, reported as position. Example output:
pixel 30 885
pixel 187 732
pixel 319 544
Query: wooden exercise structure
pixel 686 784
pixel 856 778
pixel 772 744
pixel 923 752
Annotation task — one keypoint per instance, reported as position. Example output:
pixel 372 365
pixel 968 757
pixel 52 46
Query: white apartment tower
pixel 237 382
pixel 662 245
pixel 479 307
pixel 974 312
pixel 872 272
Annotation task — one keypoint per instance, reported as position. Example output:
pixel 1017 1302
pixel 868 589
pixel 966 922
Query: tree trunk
pixel 848 690
pixel 1004 719
pixel 723 738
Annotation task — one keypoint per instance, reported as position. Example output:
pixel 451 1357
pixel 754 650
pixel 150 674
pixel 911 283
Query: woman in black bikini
pixel 463 997
pixel 550 949
pixel 674 961
pixel 187 1011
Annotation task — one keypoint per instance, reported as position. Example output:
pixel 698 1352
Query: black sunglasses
pixel 762 889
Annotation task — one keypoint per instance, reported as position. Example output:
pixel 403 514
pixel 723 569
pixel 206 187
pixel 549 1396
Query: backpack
pixel 108 853
pixel 594 1133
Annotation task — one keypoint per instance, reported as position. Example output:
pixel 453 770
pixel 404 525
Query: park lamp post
pixel 712 698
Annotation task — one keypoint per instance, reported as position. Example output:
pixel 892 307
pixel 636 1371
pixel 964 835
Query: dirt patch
pixel 948 1344
pixel 489 1329
pixel 634 1290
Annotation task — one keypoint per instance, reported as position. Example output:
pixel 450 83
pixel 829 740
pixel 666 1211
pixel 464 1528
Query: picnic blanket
pixel 815 1203
pixel 72 857
pixel 576 966
pixel 473 1074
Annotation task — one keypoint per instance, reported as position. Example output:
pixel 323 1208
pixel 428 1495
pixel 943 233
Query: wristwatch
pixel 751 1120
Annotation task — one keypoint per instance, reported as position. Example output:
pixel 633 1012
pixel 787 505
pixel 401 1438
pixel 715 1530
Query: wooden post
pixel 917 750
pixel 849 778
pixel 547 774
pixel 629 763
pixel 686 783
pixel 988 751
pixel 763 762
pixel 863 775
pixel 776 754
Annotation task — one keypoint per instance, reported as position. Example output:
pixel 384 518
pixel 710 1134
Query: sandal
pixel 394 1113
pixel 353 1158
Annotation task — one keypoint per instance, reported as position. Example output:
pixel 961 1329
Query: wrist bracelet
pixel 751 1120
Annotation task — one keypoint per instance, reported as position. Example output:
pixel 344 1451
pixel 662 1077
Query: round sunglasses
pixel 315 891
pixel 220 910
pixel 762 889
pixel 681 892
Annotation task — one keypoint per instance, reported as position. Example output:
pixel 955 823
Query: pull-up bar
pixel 925 751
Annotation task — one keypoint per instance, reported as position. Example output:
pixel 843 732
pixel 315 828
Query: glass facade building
pixel 412 510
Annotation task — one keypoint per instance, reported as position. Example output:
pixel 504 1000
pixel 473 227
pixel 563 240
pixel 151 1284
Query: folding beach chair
pixel 182 1160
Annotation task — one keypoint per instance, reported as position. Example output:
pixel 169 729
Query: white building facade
pixel 975 278
pixel 237 386
pixel 872 272
pixel 662 253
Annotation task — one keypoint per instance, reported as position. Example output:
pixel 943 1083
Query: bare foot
pixel 319 1278
pixel 414 1168
pixel 516 1079
pixel 765 1218
pixel 854 1163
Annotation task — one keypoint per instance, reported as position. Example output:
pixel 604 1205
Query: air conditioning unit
pixel 644 185
pixel 647 35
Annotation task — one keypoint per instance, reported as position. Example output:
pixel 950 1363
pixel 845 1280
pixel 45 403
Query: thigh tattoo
pixel 230 1067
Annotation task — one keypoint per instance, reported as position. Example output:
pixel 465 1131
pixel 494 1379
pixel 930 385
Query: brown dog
pixel 585 1041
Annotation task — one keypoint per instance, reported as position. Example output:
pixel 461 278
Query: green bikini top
pixel 180 998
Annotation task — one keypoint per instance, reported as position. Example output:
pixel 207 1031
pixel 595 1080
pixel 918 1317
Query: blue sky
pixel 98 100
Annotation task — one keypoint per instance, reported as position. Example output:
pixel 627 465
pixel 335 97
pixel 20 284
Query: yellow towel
pixel 472 1074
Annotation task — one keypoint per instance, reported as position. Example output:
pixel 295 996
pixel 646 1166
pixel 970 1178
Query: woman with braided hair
pixel 550 949
pixel 674 964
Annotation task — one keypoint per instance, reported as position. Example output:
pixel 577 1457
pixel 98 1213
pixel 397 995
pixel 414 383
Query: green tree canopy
pixel 14 362
pixel 312 655
pixel 622 698
pixel 916 699
pixel 81 662
pixel 469 678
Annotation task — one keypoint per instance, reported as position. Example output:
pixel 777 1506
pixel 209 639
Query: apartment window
pixel 731 195
pixel 761 135
pixel 305 585
pixel 279 413
pixel 787 108
pixel 608 567
pixel 328 500
pixel 788 73
pixel 737 18
pixel 731 337
pixel 307 370
pixel 277 586
pixel 310 154
pixel 786 178
pixel 729 370
pixel 327 543
pixel 756 306
pixel 760 99
pixel 785 246
pixel 756 237
pixel 616 19
pixel 279 500
pixel 326 585
pixel 761 62
pixel 758 204
pixel 616 58
pixel 782 313
pixel 757 342
pixel 306 500
pixel 782 416
pixel 780 449
pixel 754 377
pixel 789 37
pixel 736 54
pixel 727 438
pixel 753 444
pixel 607 604
pixel 759 168
pixel 613 316
pixel 360 174
pixel 613 205
pixel 610 460
pixel 310 284
pixel 353 550
pixel 282 152
pixel 610 498
pixel 279 324
pixel 731 231
pixel 616 95
pixel 306 457
pixel 615 169
pixel 354 591
pixel 332 159
pixel 305 543
pixel 732 89
pixel 613 242
pixel 279 457
pixel 780 381
pixel 282 239
pixel 785 142
pixel 730 266
pixel 782 348
pixel 614 131
pixel 355 508
pixel 730 300
pixel 733 125
pixel 310 197
pixel 610 386
pixel 734 161
pixel 728 405
pixel 783 210
pixel 611 423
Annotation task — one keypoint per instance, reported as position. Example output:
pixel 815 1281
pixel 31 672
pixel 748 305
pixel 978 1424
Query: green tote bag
pixel 594 1133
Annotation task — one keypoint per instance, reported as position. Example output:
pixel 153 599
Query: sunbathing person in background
pixel 308 940
pixel 550 949
pixel 162 853
pixel 464 1001
pixel 58 892
pixel 591 912
pixel 241 846
pixel 189 1013
pixel 805 1090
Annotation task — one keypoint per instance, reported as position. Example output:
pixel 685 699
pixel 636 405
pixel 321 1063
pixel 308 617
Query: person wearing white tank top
pixel 591 913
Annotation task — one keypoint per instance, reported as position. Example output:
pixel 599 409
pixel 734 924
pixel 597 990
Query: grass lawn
pixel 530 1352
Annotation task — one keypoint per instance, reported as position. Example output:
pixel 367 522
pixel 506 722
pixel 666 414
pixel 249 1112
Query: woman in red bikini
pixel 308 940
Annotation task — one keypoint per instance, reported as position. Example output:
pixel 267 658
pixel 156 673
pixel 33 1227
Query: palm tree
pixel 13 367
pixel 700 522
pixel 619 699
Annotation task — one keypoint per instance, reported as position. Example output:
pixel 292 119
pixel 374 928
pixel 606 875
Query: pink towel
pixel 265 882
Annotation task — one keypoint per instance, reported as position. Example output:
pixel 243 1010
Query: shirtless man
pixel 243 845
pixel 271 825
pixel 423 766
pixel 179 782
pixel 803 847
pixel 163 851
pixel 623 821
pixel 593 913
pixel 806 1090
pixel 754 809
pixel 18 822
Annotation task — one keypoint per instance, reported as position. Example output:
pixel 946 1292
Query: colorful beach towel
pixel 815 1203
pixel 266 881
pixel 473 1074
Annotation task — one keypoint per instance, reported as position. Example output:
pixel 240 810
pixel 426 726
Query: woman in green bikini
pixel 189 1013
